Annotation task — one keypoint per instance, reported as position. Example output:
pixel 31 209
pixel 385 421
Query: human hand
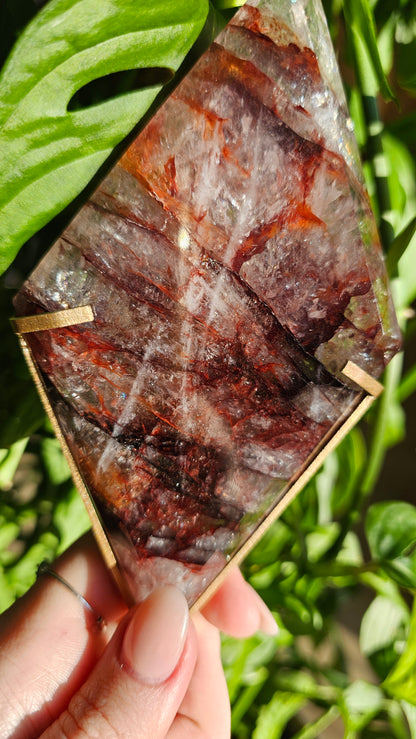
pixel 152 672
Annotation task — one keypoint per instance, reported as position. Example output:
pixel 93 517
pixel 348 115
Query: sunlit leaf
pixel 54 460
pixel 407 273
pixel 70 519
pixel 314 729
pixel 399 246
pixel 383 586
pixel 47 153
pixel 352 459
pixel 362 702
pixel 23 574
pixel 6 592
pixel 380 624
pixel 385 44
pixel 401 681
pixel 274 716
pixel 360 26
pixel 225 4
pixel 401 181
pixel 8 532
pixel 350 552
pixel 410 713
pixel 319 541
pixel 402 570
pixel 391 529
pixel 325 483
pixel 303 683
pixel 21 412
pixel 10 461
pixel 408 385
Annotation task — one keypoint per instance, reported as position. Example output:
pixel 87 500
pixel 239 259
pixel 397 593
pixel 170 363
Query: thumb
pixel 139 682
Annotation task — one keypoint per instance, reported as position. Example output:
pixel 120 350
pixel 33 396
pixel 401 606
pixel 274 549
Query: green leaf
pixel 274 716
pixel 352 460
pixel 383 586
pixel 397 720
pixel 360 26
pixel 315 728
pixel 362 702
pixel 399 246
pixel 380 624
pixel 261 654
pixel 71 519
pixel 23 574
pixel 391 529
pixel 401 181
pixel 401 681
pixel 350 553
pixel 8 533
pixel 385 426
pixel 385 44
pixel 245 701
pixel 407 273
pixel 320 540
pixel 225 4
pixel 10 461
pixel 408 385
pixel 326 481
pixel 268 551
pixel 234 654
pixel 303 683
pixel 54 461
pixel 21 412
pixel 67 45
pixel 391 532
pixel 6 592
pixel 402 570
pixel 244 665
pixel 410 713
pixel 406 67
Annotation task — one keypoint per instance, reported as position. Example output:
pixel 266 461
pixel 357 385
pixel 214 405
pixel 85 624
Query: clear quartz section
pixel 233 266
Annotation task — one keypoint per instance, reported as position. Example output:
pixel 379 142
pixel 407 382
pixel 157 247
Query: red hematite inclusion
pixel 233 267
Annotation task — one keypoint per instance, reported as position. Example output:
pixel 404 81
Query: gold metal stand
pixel 369 389
pixel 366 383
pixel 44 322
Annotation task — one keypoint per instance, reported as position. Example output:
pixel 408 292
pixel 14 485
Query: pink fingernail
pixel 268 623
pixel 155 637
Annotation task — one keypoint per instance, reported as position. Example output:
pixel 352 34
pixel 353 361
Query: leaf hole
pixel 113 85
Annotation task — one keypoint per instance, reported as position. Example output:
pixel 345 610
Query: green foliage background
pixel 57 130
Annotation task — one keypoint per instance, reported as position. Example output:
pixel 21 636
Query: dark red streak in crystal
pixel 297 215
pixel 170 171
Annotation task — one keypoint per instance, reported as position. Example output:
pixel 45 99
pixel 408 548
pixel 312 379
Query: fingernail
pixel 155 637
pixel 268 623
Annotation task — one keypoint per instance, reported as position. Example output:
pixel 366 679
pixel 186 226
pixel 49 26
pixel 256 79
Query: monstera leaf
pixel 49 153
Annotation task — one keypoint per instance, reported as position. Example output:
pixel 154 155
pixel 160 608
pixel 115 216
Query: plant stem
pixel 407 386
pixel 370 79
pixel 314 730
pixel 380 165
pixel 244 702
pixel 350 734
pixel 333 569
pixel 225 4
pixel 378 447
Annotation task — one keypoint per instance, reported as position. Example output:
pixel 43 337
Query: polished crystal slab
pixel 233 268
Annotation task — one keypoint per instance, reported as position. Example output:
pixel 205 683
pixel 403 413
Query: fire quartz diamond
pixel 233 267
